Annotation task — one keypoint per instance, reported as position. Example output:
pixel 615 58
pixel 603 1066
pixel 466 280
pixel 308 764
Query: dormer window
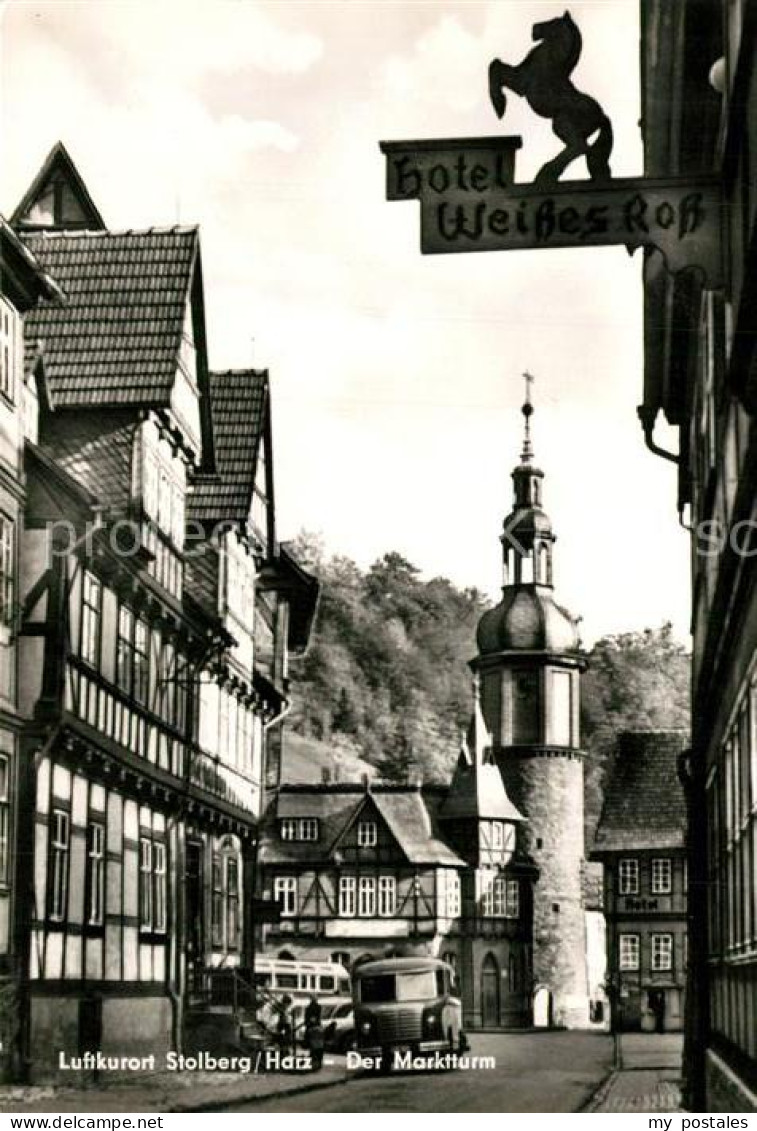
pixel 299 828
pixel 367 834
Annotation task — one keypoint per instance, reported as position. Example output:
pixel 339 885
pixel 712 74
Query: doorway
pixel 490 993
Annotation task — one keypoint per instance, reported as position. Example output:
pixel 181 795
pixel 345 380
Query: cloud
pixel 444 68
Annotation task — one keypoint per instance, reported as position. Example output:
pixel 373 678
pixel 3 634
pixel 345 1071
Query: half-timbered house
pixel 362 870
pixel 22 285
pixel 149 519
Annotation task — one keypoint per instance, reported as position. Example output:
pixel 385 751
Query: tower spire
pixel 528 410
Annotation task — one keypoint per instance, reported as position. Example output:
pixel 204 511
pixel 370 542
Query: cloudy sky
pixel 396 377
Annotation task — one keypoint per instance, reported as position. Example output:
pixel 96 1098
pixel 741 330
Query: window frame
pixel 367 834
pixel 630 962
pixel 59 864
pixel 216 901
pixel 512 898
pixel 661 959
pixel 628 875
pixel 153 881
pixel 347 897
pixel 233 922
pixel 94 880
pixel 453 895
pixel 11 331
pixel 661 878
pixel 7 570
pixel 387 897
pixel 367 899
pixel 6 843
pixel 285 891
pixel 90 624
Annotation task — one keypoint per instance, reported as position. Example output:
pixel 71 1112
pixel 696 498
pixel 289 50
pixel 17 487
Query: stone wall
pixel 547 787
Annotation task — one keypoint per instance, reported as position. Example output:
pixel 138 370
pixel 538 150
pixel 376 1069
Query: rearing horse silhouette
pixel 543 79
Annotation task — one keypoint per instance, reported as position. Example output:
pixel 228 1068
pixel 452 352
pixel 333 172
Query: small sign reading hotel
pixel 470 202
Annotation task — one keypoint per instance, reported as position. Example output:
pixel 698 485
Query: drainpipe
pixel 647 416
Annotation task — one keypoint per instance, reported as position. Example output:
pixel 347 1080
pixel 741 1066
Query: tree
pixel 634 681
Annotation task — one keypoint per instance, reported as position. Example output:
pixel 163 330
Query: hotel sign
pixel 469 201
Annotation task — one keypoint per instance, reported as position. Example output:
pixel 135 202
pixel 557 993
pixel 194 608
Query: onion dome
pixel 527 619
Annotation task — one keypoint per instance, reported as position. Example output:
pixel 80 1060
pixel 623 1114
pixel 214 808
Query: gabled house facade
pixel 640 841
pixel 146 689
pixel 23 284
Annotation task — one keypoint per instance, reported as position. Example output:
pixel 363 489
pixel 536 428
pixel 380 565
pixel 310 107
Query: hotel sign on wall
pixel 470 200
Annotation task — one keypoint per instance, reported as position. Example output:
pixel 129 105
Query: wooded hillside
pixel 386 675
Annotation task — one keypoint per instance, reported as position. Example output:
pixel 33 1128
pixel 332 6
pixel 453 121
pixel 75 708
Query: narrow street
pixel 542 1072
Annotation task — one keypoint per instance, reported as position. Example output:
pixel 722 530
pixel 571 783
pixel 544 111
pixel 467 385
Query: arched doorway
pixel 490 992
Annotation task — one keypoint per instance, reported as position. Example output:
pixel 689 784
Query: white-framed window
pixel 308 828
pixel 453 896
pixel 91 609
pixel 299 828
pixel 10 338
pixel 285 893
pixel 95 878
pixel 628 877
pixel 7 571
pixel 367 897
pixel 5 817
pixel 152 884
pixel 662 876
pixel 60 851
pixel 662 952
pixel 133 654
pixel 367 834
pixel 628 952
pixel 387 896
pixel 512 899
pixel 494 895
pixel 347 896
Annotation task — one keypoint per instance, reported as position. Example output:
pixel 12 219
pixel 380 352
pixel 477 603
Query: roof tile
pixel 644 804
pixel 116 339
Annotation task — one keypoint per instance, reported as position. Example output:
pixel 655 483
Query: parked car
pixel 339 1027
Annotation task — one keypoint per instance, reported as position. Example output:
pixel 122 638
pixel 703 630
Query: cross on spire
pixel 528 410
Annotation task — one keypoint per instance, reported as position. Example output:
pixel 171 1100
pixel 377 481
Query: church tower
pixel 530 665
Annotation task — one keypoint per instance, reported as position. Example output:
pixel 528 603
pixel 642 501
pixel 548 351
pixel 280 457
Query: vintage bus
pixel 301 979
pixel 406 1003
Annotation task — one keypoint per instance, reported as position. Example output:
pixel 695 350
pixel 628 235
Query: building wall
pixel 643 914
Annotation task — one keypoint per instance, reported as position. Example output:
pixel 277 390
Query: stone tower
pixel 530 666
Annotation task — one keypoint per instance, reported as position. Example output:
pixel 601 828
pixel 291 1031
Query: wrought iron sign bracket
pixel 470 201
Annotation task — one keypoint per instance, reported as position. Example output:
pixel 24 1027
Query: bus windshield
pixel 421 985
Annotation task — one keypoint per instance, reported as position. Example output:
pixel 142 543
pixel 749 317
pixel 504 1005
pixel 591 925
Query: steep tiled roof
pixel 336 806
pixel 116 340
pixel 644 805
pixel 238 400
